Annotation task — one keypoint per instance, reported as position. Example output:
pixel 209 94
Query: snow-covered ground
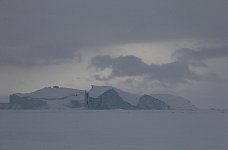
pixel 113 130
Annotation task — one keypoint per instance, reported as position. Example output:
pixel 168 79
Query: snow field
pixel 113 130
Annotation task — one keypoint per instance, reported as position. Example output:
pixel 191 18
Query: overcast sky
pixel 143 46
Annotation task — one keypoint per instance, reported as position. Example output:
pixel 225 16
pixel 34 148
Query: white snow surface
pixel 96 91
pixel 51 93
pixel 175 102
pixel 113 130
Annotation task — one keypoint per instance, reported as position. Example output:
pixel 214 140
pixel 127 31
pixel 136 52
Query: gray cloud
pixel 200 55
pixel 49 30
pixel 168 74
pixel 121 66
pixel 37 55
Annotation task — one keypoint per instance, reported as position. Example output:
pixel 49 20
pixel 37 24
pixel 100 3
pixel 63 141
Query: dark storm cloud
pixel 51 30
pixel 168 74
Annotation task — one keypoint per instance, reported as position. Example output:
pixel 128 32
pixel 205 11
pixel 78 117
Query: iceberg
pixel 98 98
pixel 149 102
pixel 175 102
pixel 48 98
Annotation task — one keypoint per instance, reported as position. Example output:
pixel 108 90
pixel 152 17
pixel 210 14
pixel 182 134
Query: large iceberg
pixel 110 99
pixel 17 102
pixel 175 102
pixel 149 102
pixel 98 97
pixel 107 97
pixel 49 98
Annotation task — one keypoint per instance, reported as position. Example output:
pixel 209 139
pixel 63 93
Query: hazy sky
pixel 143 46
